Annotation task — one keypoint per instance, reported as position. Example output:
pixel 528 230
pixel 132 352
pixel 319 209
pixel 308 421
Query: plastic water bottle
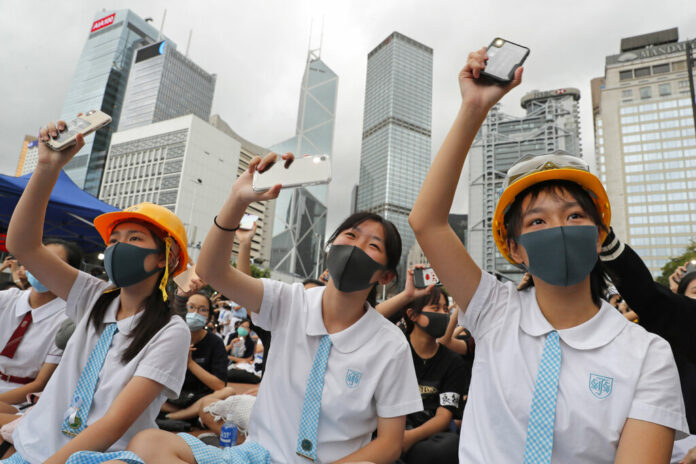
pixel 228 435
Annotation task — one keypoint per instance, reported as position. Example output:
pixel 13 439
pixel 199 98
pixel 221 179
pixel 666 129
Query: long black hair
pixel 513 223
pixel 72 251
pixel 156 314
pixel 392 242
pixel 418 304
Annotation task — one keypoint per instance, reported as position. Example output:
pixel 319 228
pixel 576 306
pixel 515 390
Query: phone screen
pixel 248 221
pixel 503 57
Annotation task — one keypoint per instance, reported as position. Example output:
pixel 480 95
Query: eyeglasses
pixel 537 163
pixel 200 309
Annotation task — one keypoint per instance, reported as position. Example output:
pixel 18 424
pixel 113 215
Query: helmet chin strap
pixel 165 277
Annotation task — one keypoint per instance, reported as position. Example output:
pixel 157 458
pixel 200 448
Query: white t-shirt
pixel 162 359
pixel 611 370
pixel 369 374
pixel 225 315
pixel 38 345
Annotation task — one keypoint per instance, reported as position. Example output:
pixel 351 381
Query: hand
pixel 56 159
pixel 524 283
pixel 324 277
pixel 676 277
pixel 245 236
pixel 242 187
pixel 10 262
pixel 410 290
pixel 193 284
pixel 190 354
pixel 478 92
pixel 690 457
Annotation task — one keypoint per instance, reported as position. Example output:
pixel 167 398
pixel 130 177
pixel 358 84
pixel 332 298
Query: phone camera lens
pixel 323 157
pixel 499 42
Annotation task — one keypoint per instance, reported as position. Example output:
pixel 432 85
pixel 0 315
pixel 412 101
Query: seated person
pixel 207 364
pixel 442 379
pixel 241 350
pixel 29 321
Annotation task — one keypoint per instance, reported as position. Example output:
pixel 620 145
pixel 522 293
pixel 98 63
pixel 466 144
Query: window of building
pixel 660 68
pixel 626 93
pixel 637 220
pixel 639 230
pixel 635 188
pixel 665 105
pixel 649 126
pixel 683 85
pixel 628 74
pixel 679 66
pixel 630 129
pixel 642 72
pixel 645 92
pixel 633 158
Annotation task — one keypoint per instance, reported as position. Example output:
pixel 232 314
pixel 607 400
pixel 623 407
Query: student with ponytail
pixel 126 354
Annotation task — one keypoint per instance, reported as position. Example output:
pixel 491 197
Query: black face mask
pixel 351 268
pixel 125 263
pixel 437 325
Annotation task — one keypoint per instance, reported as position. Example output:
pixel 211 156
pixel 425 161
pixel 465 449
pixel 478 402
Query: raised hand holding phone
pixel 56 159
pixel 480 92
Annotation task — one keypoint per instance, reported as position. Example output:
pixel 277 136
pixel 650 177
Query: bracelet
pixel 223 228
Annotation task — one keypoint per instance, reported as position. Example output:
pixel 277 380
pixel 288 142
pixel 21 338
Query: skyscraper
pixel 99 83
pixel 552 123
pixel 164 84
pixel 299 223
pixel 645 145
pixel 395 153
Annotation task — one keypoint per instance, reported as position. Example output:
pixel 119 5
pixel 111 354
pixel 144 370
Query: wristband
pixel 224 228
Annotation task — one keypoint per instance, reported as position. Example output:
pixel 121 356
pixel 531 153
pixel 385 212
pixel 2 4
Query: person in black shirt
pixel 442 379
pixel 207 363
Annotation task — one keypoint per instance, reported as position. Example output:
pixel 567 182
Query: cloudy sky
pixel 258 48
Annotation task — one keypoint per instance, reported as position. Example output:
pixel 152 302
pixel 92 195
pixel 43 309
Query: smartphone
pixel 504 57
pixel 309 170
pixel 182 280
pixel 85 124
pixel 248 221
pixel 690 267
pixel 424 277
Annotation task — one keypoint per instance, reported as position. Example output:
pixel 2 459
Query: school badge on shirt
pixel 353 378
pixel 601 386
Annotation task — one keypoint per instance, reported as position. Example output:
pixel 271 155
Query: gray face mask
pixel 351 268
pixel 561 256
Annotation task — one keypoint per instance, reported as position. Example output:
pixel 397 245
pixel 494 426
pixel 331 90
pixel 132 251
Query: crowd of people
pixel 561 368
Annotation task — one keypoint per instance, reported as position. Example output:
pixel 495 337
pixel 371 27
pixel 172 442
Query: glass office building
pixel 646 145
pixel 299 222
pixel 164 84
pixel 395 153
pixel 99 83
pixel 552 122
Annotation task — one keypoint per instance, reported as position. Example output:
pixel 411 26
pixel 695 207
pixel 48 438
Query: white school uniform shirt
pixel 369 373
pixel 162 359
pixel 611 370
pixel 38 345
pixel 225 315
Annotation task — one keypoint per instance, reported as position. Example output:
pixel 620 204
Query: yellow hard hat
pixel 162 219
pixel 532 170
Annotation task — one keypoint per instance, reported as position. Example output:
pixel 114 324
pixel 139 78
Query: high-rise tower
pixel 395 153
pixel 299 223
pixel 99 83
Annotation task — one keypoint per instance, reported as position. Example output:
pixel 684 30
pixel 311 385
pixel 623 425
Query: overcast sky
pixel 258 49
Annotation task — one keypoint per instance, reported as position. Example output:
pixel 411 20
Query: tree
pixel 672 265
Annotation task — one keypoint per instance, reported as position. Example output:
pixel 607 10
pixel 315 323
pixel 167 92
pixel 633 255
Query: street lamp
pixel 196 182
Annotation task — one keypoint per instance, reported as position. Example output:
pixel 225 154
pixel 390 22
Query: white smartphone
pixel 309 170
pixel 85 124
pixel 248 221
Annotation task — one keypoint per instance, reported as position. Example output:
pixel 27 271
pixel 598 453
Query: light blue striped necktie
pixel 76 421
pixel 539 442
pixel 309 424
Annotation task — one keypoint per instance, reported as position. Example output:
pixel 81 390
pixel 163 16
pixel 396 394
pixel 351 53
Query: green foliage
pixel 671 265
pixel 259 272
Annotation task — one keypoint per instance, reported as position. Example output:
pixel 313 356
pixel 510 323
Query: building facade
pixel 396 139
pixel 645 145
pixel 28 156
pixel 182 164
pixel 299 223
pixel 99 82
pixel 261 243
pixel 164 84
pixel 551 123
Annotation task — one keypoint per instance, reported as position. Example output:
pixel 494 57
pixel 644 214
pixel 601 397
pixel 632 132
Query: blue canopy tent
pixel 69 215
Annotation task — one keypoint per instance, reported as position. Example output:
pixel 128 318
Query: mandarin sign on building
pixel 103 22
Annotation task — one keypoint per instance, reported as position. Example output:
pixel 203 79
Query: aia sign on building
pixel 103 22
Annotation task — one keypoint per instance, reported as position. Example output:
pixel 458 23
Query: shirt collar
pixel 602 328
pixel 42 312
pixel 349 339
pixel 125 326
